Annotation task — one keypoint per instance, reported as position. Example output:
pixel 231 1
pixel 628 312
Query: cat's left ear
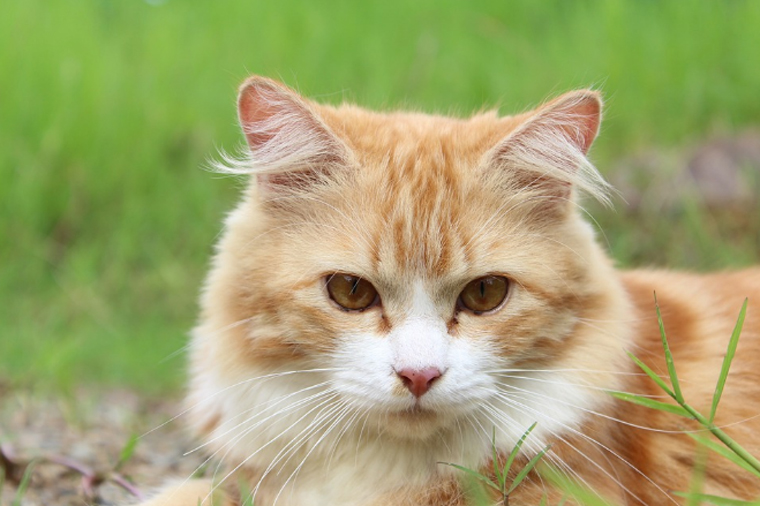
pixel 290 144
pixel 548 149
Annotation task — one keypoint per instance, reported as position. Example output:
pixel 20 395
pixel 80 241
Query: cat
pixel 396 291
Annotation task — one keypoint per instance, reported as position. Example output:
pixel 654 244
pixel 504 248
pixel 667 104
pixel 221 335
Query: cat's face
pixel 414 259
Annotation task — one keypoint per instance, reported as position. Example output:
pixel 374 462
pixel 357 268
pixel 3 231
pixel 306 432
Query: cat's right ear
pixel 290 146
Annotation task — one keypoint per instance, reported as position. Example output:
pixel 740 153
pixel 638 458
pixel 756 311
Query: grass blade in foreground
pixel 501 475
pixel 525 470
pixel 724 451
pixel 126 452
pixel 655 377
pixel 516 450
pixel 732 344
pixel 698 472
pixel 473 474
pixel 668 355
pixel 21 490
pixel 573 489
pixel 718 501
pixel 651 403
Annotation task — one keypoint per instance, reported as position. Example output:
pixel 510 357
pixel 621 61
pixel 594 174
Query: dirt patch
pixel 719 173
pixel 77 443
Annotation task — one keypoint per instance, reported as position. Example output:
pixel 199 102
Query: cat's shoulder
pixel 695 307
pixel 743 283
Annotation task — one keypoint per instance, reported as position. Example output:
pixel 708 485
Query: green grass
pixel 109 110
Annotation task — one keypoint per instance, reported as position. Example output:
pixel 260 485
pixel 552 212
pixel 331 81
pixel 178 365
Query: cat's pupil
pixel 351 293
pixel 484 294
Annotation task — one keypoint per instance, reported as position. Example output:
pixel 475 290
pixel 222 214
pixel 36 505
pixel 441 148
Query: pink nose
pixel 419 382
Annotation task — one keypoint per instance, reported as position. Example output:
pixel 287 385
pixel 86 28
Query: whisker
pixel 367 412
pixel 229 445
pixel 341 415
pixel 328 417
pixel 299 439
pixel 272 440
pixel 346 427
pixel 339 408
pixel 582 385
pixel 289 407
pixel 530 393
pixel 235 385
pixel 598 371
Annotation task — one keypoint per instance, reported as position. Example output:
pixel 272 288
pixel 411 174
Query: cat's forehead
pixel 377 135
pixel 417 197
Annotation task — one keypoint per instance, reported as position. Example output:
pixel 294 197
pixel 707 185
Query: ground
pixel 90 431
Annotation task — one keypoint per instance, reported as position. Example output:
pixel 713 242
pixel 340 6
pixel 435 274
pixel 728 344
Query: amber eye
pixel 351 292
pixel 484 294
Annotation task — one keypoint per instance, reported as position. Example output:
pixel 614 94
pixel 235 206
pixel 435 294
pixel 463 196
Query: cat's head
pixel 414 260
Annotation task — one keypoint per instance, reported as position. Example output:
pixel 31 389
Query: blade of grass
pixel 528 467
pixel 516 449
pixel 245 491
pixel 697 482
pixel 730 352
pixel 655 377
pixel 126 452
pixel 474 474
pixel 724 438
pixel 668 355
pixel 651 403
pixel 24 484
pixel 581 494
pixel 724 452
pixel 718 501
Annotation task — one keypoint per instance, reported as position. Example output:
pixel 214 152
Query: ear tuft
pixel 550 146
pixel 579 113
pixel 289 143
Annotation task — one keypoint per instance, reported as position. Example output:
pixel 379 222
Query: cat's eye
pixel 484 294
pixel 351 292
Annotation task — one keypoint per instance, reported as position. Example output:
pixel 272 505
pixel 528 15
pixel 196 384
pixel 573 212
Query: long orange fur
pixel 407 200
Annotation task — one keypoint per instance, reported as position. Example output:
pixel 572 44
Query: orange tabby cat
pixel 396 288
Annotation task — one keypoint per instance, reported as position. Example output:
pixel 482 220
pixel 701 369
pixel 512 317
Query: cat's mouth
pixel 415 422
pixel 416 414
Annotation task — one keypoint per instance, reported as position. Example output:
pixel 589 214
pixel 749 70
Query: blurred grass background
pixel 110 111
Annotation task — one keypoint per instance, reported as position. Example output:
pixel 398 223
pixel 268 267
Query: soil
pixel 720 173
pixel 88 433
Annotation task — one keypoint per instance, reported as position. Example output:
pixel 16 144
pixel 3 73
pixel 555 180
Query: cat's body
pixel 396 289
